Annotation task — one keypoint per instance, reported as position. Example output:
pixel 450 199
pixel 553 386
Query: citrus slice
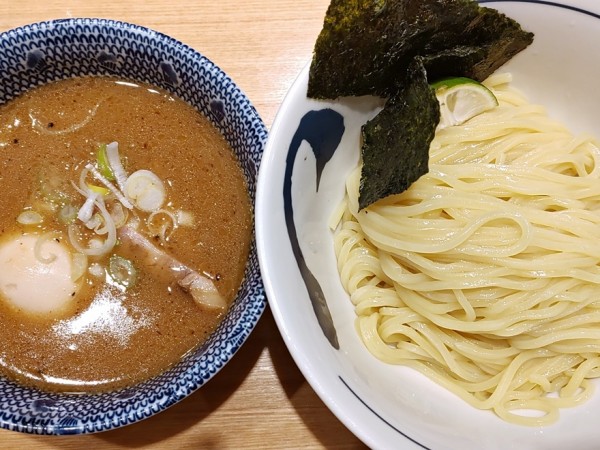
pixel 461 99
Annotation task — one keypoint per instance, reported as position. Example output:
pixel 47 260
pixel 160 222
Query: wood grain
pixel 260 399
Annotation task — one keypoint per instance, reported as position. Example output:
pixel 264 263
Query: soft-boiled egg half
pixel 36 273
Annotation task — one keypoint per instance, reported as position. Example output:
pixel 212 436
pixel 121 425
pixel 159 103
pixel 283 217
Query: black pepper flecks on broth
pixel 107 335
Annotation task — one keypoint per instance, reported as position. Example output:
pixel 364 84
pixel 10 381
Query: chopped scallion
pixel 67 214
pixel 30 218
pixel 103 165
pixel 98 189
pixel 122 271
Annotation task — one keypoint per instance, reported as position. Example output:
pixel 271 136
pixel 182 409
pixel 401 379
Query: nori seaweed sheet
pixel 385 152
pixel 366 47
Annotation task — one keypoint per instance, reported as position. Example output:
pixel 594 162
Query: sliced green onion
pixel 161 223
pixel 146 190
pixel 95 223
pixel 98 189
pixel 93 250
pixel 121 271
pixel 67 214
pixel 30 218
pixel 114 160
pixel 119 214
pixel 90 168
pixel 103 165
pixel 86 211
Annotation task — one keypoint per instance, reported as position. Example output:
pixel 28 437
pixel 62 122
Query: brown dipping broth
pixel 107 339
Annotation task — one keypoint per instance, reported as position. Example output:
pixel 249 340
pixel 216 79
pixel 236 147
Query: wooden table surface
pixel 260 399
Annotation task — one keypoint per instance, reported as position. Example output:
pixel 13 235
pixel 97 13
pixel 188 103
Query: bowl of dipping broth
pixel 459 312
pixel 128 269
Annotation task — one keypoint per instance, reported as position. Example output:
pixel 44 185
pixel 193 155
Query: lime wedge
pixel 461 99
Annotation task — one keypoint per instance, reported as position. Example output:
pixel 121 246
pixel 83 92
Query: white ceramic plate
pixel 388 406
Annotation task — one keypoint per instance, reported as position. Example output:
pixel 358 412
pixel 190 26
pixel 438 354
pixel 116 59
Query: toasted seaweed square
pixel 366 46
pixel 393 160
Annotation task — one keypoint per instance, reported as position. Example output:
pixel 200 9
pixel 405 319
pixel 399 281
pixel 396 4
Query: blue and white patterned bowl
pixel 36 54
